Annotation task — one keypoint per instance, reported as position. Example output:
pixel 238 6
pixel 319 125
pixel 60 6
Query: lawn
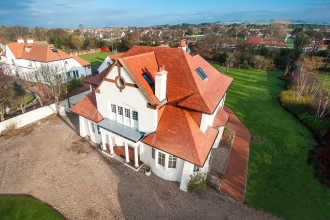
pixel 325 78
pixel 290 42
pixel 279 179
pixel 95 59
pixel 25 208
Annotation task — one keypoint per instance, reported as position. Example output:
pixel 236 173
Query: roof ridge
pixel 138 55
pixel 185 54
pixel 190 123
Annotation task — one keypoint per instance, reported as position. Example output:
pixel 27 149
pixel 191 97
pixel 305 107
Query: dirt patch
pixel 80 146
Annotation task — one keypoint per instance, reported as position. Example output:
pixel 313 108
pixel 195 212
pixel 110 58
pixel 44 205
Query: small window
pixel 197 168
pixel 93 128
pixel 148 79
pixel 127 113
pixel 153 153
pixel 201 73
pixel 120 110
pixel 172 162
pixel 135 116
pixel 161 159
pixel 114 108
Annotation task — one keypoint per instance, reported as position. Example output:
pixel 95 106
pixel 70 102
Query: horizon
pixel 102 13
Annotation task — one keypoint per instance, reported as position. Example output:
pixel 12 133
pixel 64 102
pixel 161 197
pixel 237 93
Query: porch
pixel 123 154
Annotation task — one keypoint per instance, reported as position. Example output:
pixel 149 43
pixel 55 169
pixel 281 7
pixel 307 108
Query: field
pixel 289 42
pixel 279 179
pixel 95 59
pixel 325 78
pixel 25 208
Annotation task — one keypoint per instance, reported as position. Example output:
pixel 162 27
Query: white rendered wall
pixel 130 97
pixel 105 64
pixel 207 119
pixel 170 174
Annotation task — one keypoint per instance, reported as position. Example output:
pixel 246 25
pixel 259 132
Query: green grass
pixel 25 208
pixel 290 42
pixel 325 79
pixel 95 59
pixel 279 179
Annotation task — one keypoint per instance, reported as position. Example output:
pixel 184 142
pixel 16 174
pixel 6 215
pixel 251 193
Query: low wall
pixel 40 113
pixel 82 52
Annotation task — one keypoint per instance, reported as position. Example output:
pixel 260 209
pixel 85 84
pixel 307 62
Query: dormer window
pixel 148 79
pixel 201 73
pixel 53 49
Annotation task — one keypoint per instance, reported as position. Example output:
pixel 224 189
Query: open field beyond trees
pixel 279 180
pixel 325 78
pixel 96 59
pixel 22 207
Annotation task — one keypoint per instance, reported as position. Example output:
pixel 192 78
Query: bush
pixel 74 84
pixel 197 183
pixel 227 137
pixel 288 98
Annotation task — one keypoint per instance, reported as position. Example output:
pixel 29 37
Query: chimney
pixel 20 40
pixel 183 45
pixel 29 41
pixel 160 84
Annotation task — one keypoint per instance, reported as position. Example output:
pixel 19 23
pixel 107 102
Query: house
pixel 22 58
pixel 157 106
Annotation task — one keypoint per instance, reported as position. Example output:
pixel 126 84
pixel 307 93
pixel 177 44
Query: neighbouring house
pixel 22 58
pixel 269 42
pixel 157 106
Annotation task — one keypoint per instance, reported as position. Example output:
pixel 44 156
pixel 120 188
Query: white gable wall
pixel 130 97
pixel 208 119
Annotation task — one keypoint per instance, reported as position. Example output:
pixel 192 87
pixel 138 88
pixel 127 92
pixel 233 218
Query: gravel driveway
pixel 55 165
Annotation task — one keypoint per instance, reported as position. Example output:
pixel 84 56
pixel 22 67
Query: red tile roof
pixel 81 61
pixel 221 118
pixel 178 133
pixel 184 85
pixel 38 51
pixel 87 107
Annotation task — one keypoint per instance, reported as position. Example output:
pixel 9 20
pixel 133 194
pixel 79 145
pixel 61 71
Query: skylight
pixel 148 79
pixel 201 73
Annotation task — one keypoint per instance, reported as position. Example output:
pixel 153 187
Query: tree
pixel 4 94
pixel 54 77
pixel 278 29
pixel 76 42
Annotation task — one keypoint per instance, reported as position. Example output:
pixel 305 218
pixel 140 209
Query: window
pixel 153 153
pixel 127 113
pixel 172 162
pixel 135 116
pixel 201 73
pixel 161 159
pixel 197 168
pixel 93 128
pixel 120 110
pixel 114 108
pixel 148 79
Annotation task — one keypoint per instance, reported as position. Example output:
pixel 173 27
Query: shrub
pixel 227 137
pixel 74 84
pixel 288 98
pixel 197 183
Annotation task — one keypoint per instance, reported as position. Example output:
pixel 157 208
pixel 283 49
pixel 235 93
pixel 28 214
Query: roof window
pixel 201 73
pixel 148 79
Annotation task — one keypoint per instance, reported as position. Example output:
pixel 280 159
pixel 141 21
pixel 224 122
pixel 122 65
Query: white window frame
pixel 127 117
pixel 153 153
pixel 172 160
pixel 161 159
pixel 135 122
pixel 197 168
pixel 120 117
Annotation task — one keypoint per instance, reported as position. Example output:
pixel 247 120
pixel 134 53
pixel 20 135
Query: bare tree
pixel 322 103
pixel 301 82
pixel 54 78
pixel 4 94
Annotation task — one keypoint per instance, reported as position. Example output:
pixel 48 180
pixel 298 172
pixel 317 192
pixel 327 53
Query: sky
pixel 101 13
